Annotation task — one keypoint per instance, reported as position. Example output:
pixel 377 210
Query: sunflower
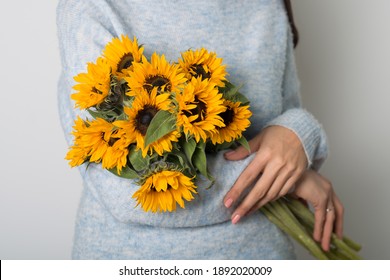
pixel 99 141
pixel 78 154
pixel 236 119
pixel 144 107
pixel 201 63
pixel 92 87
pixel 200 106
pixel 162 190
pixel 157 73
pixel 122 53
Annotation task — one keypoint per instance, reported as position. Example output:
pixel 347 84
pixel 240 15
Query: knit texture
pixel 254 39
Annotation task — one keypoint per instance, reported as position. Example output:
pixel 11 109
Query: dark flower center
pixel 125 62
pixel 160 82
pixel 111 141
pixel 153 188
pixel 144 117
pixel 200 110
pixel 197 70
pixel 227 116
pixel 95 90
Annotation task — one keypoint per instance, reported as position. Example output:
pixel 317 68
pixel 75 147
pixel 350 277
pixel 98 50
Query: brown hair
pixel 294 29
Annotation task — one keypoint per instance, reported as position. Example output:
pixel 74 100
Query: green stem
pixel 340 255
pixel 274 219
pixel 345 248
pixel 307 217
pixel 269 213
pixel 357 247
pixel 291 222
pixel 333 255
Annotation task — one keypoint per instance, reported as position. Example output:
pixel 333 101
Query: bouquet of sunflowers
pixel 153 121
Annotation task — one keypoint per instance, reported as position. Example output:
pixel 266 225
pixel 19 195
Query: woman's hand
pixel 279 162
pixel 328 210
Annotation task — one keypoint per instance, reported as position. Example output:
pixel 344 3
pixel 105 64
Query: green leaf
pixel 138 162
pixel 162 124
pixel 244 143
pixel 121 117
pixel 108 115
pixel 239 97
pixel 180 160
pixel 199 159
pixel 126 172
pixel 189 148
pixel 128 101
pixel 212 182
pixel 231 92
pixel 177 157
pixel 96 114
pixel 174 160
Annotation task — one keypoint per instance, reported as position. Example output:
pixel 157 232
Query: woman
pixel 255 41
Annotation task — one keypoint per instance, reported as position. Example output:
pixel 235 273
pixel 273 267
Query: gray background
pixel 343 61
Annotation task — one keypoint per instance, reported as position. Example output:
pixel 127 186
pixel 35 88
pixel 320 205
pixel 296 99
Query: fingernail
pixel 236 219
pixel 326 248
pixel 228 203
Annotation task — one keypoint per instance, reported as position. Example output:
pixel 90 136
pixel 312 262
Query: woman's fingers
pixel 252 198
pixel 276 180
pixel 281 190
pixel 279 161
pixel 324 213
pixel 319 221
pixel 334 220
pixel 245 180
pixel 328 209
pixel 339 211
pixel 282 184
pixel 328 227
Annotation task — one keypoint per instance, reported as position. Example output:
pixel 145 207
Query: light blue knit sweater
pixel 254 39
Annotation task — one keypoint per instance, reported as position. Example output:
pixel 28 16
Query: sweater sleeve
pixel 300 121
